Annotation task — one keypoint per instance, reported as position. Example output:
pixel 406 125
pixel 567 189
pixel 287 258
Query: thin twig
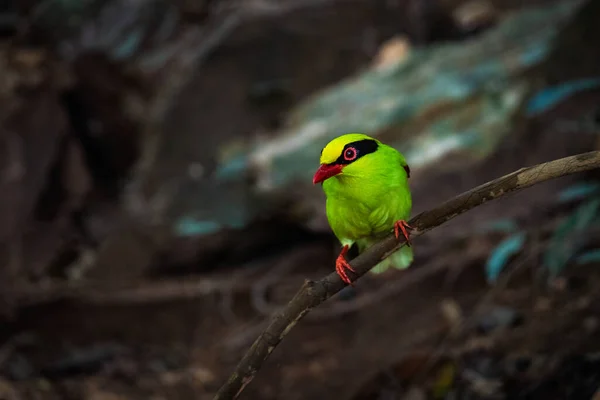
pixel 378 296
pixel 311 294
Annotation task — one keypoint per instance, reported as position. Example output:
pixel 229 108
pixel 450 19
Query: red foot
pixel 341 266
pixel 402 226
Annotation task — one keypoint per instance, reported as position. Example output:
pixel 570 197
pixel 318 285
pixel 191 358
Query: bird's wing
pixel 404 164
pixel 407 169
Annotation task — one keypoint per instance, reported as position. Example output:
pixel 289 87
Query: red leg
pixel 341 265
pixel 402 226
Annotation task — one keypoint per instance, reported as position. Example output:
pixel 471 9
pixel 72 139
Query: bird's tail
pixel 400 259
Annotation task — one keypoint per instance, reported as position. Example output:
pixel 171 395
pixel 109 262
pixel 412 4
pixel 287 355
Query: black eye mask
pixel 355 150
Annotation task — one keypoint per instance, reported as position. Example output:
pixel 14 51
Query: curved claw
pixel 404 227
pixel 341 266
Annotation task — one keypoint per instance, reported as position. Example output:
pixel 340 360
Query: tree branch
pixel 311 294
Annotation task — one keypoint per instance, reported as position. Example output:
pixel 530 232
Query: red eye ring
pixel 350 154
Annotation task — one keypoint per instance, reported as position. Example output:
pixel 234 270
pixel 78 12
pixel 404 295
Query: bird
pixel 367 196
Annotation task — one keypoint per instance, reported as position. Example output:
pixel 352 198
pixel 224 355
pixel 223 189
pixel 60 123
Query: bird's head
pixel 349 154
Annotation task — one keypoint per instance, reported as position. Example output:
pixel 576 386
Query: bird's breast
pixel 355 218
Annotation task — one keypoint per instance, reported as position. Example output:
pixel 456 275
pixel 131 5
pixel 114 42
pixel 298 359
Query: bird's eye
pixel 350 154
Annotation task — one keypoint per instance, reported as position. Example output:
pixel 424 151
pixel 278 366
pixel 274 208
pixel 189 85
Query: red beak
pixel 326 171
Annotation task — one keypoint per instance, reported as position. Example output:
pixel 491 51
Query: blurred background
pixel 157 207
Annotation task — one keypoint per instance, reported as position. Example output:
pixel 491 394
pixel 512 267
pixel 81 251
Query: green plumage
pixel 368 197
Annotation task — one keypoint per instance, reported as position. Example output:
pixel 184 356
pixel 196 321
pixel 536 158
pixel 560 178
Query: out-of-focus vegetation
pixel 157 208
